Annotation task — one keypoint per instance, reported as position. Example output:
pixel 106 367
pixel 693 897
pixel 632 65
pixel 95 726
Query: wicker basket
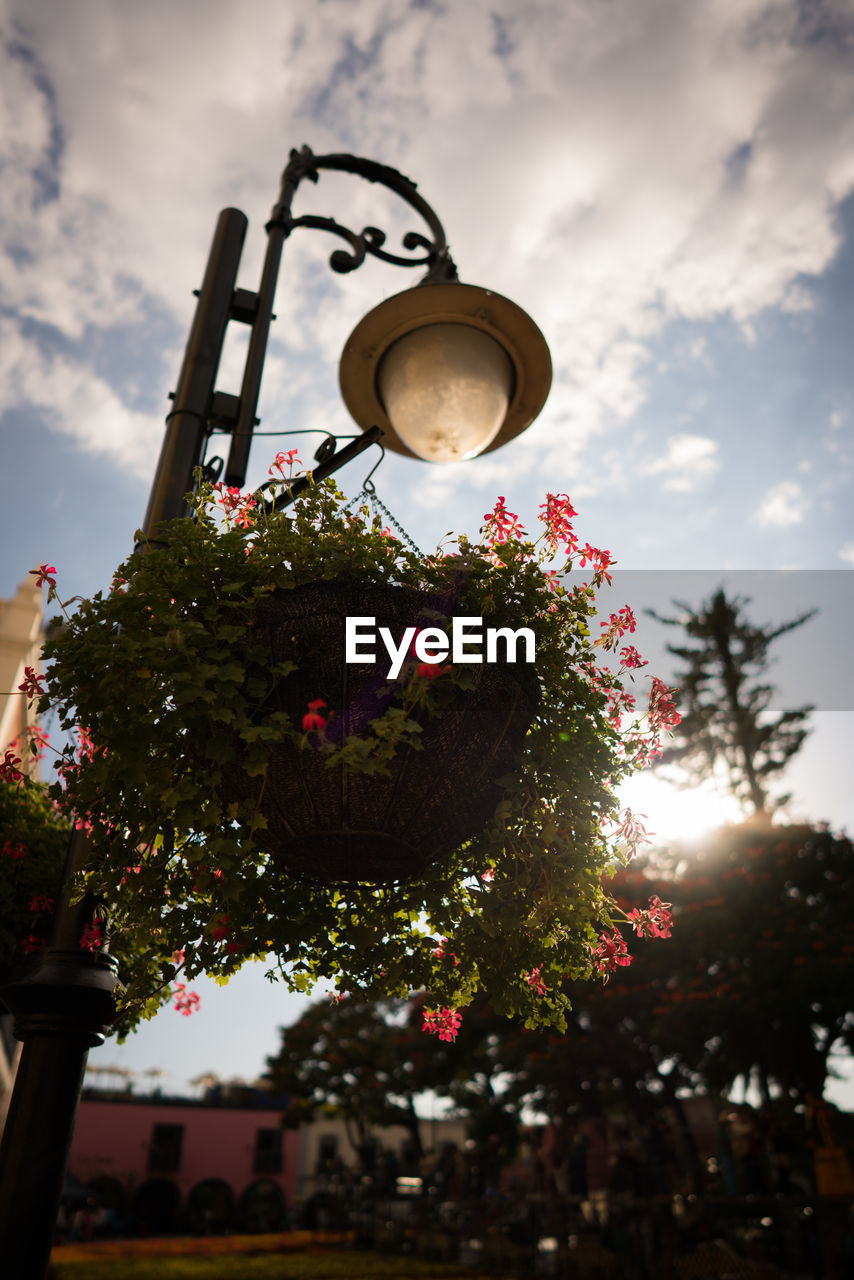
pixel 334 824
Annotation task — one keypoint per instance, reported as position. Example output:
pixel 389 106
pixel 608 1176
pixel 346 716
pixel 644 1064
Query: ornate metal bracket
pixel 305 164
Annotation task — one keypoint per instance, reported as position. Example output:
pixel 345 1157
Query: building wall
pixel 327 1140
pixel 20 643
pixel 114 1139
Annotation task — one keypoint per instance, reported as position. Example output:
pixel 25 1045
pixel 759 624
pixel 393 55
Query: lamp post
pixel 442 371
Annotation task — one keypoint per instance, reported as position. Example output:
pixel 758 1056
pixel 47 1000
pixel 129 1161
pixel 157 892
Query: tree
pixel 755 982
pixel 356 1058
pixel 369 1063
pixel 759 976
pixel 724 702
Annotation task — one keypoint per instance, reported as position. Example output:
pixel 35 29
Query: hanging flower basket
pixel 249 793
pixel 326 820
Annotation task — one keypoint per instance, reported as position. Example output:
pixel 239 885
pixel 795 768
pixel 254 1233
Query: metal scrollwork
pixel 305 164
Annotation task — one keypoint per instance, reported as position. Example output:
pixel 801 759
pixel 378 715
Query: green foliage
pixel 168 677
pixel 724 702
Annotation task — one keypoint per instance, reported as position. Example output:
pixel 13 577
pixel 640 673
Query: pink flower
pixel 501 524
pixel 243 519
pixel 657 920
pixel 632 830
pixel 610 952
pixel 442 1022
pixel 441 951
pixel 556 513
pixel 616 627
pixel 662 708
pixel 282 460
pixel 40 902
pixel 186 1002
pixel 313 721
pixel 488 875
pixel 43 575
pixel 535 981
pixel 630 658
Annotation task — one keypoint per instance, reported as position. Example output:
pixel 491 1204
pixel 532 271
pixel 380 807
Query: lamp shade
pixel 447 371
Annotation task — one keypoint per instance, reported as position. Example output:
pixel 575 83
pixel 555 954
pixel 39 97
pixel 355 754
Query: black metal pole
pixel 61 1012
pixel 187 423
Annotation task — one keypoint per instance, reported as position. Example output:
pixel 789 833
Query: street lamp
pixel 447 370
pixel 442 371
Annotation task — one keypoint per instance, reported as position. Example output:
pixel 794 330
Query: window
pixel 268 1151
pixel 327 1153
pixel 164 1153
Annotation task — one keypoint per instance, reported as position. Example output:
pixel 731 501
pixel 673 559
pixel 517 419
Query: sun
pixel 675 814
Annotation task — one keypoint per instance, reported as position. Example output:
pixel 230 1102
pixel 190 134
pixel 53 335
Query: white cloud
pixel 688 460
pixel 611 168
pixel 74 401
pixel 782 506
pixel 846 553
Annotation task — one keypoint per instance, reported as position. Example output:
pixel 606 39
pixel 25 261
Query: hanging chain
pixel 369 492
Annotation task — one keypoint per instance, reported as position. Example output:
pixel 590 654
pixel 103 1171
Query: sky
pixel 667 189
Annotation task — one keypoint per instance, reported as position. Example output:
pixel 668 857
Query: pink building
pixel 165 1165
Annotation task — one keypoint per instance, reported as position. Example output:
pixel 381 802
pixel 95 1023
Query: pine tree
pixel 724 702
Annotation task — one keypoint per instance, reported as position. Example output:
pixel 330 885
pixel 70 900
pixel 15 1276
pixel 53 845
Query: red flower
pixel 14 851
pixel 186 1002
pixel 442 1022
pixel 630 658
pixel 92 937
pixel 282 460
pixel 313 721
pixel 610 952
pixel 662 708
pixel 31 685
pixel 556 513
pixel 617 626
pixel 535 982
pixel 40 902
pixel 429 669
pixel 440 951
pixel 222 929
pixel 243 519
pixel 501 524
pixel 9 770
pixel 32 943
pixel 43 575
